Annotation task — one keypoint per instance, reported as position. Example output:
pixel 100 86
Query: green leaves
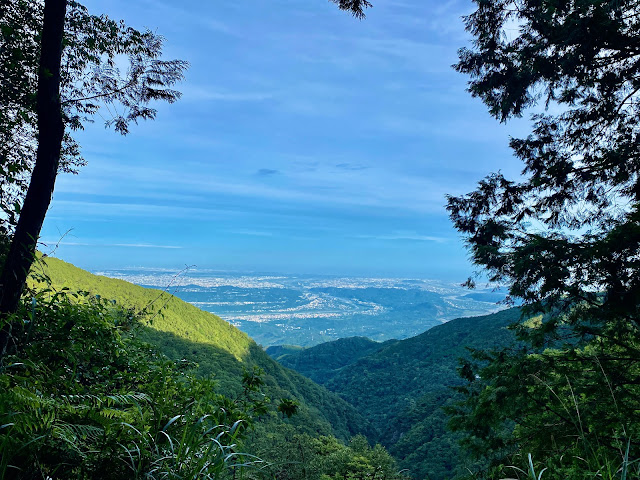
pixel 288 407
pixel 91 401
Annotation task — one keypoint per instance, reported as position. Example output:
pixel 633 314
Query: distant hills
pixel 305 310
pixel 400 386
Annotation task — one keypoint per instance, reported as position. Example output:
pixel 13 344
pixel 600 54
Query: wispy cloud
pixel 211 93
pixel 122 245
pixel 251 233
pixel 266 172
pixel 406 236
pixel 353 167
pixel 186 16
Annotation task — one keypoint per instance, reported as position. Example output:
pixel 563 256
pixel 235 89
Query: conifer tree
pixel 565 237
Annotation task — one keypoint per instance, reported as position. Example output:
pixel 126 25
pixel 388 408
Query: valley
pixel 306 310
pixel 391 391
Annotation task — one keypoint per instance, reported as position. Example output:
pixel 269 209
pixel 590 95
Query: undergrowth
pixel 81 397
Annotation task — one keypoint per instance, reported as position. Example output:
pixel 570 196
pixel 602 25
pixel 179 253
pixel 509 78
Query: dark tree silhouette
pixel 566 236
pixel 50 133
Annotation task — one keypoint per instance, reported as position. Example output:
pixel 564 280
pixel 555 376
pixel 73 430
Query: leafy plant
pixel 81 397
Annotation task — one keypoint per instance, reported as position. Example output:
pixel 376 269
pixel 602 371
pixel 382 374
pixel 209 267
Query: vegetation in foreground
pixel 83 395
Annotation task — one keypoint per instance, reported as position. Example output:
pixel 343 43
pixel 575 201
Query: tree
pixel 76 73
pixel 566 236
pixel 288 407
pixel 50 132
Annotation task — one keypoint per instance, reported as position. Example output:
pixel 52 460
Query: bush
pixel 81 397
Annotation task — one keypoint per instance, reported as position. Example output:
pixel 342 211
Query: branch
pixel 100 95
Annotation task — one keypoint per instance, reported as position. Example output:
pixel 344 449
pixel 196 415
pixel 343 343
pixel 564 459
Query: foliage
pixel 565 237
pixel 303 457
pixel 288 407
pixel 565 406
pixel 81 397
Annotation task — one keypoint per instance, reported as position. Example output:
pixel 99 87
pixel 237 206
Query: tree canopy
pixel 565 236
pixel 581 187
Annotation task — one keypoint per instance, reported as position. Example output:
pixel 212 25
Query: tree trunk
pixel 36 203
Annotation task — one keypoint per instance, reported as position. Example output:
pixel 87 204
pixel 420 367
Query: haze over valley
pixel 305 310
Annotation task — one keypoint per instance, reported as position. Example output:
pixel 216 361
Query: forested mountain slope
pixel 402 385
pixel 182 331
pixel 322 362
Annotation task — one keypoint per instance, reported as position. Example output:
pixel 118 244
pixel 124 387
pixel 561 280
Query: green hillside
pixel 182 331
pixel 280 351
pixel 322 362
pixel 402 386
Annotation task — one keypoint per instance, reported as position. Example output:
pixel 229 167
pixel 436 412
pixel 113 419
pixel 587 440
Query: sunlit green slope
pixel 167 313
pixel 182 331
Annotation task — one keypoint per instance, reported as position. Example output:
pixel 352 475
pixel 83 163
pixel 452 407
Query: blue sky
pixel 305 141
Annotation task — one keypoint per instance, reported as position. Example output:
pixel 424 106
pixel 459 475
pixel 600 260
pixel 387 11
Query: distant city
pixel 306 309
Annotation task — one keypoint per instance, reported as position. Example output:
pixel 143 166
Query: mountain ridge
pixel 220 350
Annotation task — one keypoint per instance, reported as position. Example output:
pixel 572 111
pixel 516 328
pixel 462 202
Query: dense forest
pixel 402 386
pixel 102 379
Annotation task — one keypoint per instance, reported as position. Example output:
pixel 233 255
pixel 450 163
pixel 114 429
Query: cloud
pixel 189 17
pixel 266 172
pixel 252 233
pixel 204 93
pixel 189 191
pixel 353 167
pixel 122 245
pixel 405 236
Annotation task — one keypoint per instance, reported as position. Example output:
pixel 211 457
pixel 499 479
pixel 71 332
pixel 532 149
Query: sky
pixel 306 141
